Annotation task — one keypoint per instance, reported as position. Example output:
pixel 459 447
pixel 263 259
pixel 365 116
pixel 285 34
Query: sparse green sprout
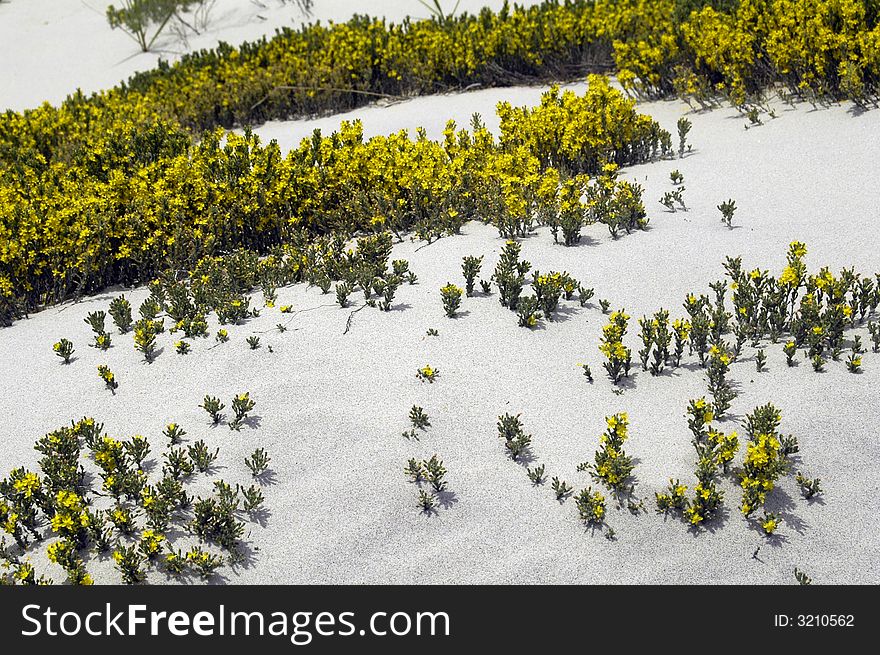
pixel 676 177
pixel 177 464
pixel 470 268
pixel 411 278
pixel 451 297
pixel 561 488
pixel 432 332
pixel 258 462
pixel 591 506
pixel 435 472
pixel 672 198
pixel 174 433
pixel 281 327
pixel 527 311
pixel 485 286
pixel 222 336
pixel 584 295
pixel 120 312
pixel 427 502
pixel 516 441
pixel 137 448
pixel 427 373
pixel 213 406
pixel 414 470
pixel 809 486
pixel 874 330
pixel 203 562
pixel 801 577
pixel 285 309
pixel 587 372
pixel 128 562
pixel 253 341
pixel 253 498
pixel 102 341
pixel 241 405
pixel 145 332
pixel 760 360
pixel 95 320
pixel 818 363
pixel 201 456
pixel 343 289
pixel 790 350
pixel 182 347
pixel 605 305
pixel 854 363
pixel 684 126
pixel 400 267
pixel 109 378
pixel 64 349
pixel 418 418
pixel 536 475
pixel 674 498
pixel 727 208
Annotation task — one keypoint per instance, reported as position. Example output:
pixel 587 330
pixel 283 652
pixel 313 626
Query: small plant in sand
pixel 673 499
pixel 427 503
pixel 584 295
pixel 809 486
pixel 591 506
pixel 770 522
pixel 670 199
pixel 253 341
pixel 174 433
pixel 258 462
pixel 536 475
pixel 418 418
pixel 561 488
pixel 790 350
pixel 587 372
pixel 222 336
pixel 414 470
pixel 510 274
pixel 818 363
pixel 343 289
pixel 102 341
pixel 527 311
pixel 64 349
pixel 213 406
pixel 874 331
pixel 253 498
pixel 680 331
pixel 431 332
pixel 137 449
pixel 604 305
pixel 202 457
pixel 203 562
pixel 719 386
pixel 451 297
pixel 95 320
pixel 854 362
pixel 611 465
pixel 766 457
pixel 676 177
pixel 760 361
pixel 727 208
pixel 801 577
pixel 182 347
pixel 684 126
pixel 470 268
pixel 548 290
pixel 145 332
pixel 286 309
pixel 434 472
pixel 108 377
pixel 177 464
pixel 120 312
pixel 241 405
pixel 129 562
pixel 486 287
pixel 516 441
pixel 428 373
pixel 618 356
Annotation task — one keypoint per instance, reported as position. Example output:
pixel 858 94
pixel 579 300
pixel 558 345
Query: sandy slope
pixel 48 48
pixel 332 407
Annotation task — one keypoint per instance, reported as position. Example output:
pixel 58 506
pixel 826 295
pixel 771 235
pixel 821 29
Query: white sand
pixel 49 48
pixel 332 406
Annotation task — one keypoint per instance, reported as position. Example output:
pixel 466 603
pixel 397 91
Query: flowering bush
pixel 619 356
pixel 451 297
pixel 611 465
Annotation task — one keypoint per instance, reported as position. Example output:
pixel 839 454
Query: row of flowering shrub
pixel 139 203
